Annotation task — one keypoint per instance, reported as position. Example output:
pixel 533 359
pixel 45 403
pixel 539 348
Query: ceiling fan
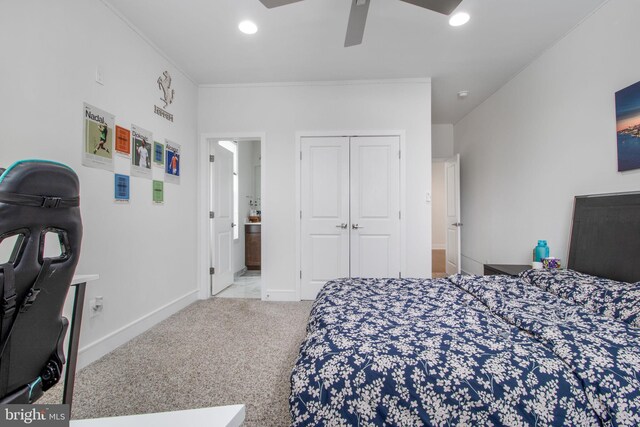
pixel 360 8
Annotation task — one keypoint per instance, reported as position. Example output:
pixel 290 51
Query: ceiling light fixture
pixel 248 27
pixel 463 94
pixel 459 19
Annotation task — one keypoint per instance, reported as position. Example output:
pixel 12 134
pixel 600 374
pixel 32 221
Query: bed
pixel 545 348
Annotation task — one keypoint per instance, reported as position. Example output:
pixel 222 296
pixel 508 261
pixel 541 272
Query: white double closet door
pixel 350 209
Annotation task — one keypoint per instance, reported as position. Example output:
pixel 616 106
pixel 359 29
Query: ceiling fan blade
pixel 275 3
pixel 440 6
pixel 357 21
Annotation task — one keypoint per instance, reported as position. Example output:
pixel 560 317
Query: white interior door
pixel 222 207
pixel 452 183
pixel 375 206
pixel 324 212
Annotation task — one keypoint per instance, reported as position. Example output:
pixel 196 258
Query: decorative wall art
pixel 123 141
pixel 121 188
pixel 158 192
pixel 97 149
pixel 172 165
pixel 158 153
pixel 141 141
pixel 628 127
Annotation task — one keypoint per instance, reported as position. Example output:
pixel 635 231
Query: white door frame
pixel 403 198
pixel 203 222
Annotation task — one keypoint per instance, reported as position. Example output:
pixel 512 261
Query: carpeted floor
pixel 215 352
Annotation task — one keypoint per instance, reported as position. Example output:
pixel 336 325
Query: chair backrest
pixel 39 209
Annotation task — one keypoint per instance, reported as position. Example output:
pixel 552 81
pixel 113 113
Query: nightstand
pixel 508 269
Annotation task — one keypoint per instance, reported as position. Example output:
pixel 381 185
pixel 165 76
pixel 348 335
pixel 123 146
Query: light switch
pixel 99 79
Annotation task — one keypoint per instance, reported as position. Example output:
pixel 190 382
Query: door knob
pixel 232 225
pixel 356 226
pixel 457 224
pixel 343 226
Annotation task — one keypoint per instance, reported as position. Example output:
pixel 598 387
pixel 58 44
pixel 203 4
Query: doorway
pixel 235 182
pixel 445 217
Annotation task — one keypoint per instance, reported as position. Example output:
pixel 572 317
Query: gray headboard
pixel 605 236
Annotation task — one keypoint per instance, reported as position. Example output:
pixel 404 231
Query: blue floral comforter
pixel 468 350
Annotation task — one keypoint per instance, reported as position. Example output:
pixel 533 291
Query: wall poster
pixel 172 165
pixel 628 127
pixel 158 153
pixel 141 141
pixel 158 192
pixel 121 188
pixel 97 150
pixel 123 141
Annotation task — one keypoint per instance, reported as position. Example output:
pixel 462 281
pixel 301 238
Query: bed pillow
pixel 618 300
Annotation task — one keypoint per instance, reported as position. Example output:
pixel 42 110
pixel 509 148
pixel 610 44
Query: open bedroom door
pixel 452 185
pixel 221 241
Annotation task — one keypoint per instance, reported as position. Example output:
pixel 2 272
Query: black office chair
pixel 38 201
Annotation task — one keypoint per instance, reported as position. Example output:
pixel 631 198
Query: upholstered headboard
pixel 605 236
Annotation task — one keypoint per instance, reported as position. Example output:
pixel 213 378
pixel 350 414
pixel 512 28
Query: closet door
pixel 375 206
pixel 325 212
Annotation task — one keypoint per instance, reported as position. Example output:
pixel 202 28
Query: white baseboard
pixel 94 351
pixel 280 295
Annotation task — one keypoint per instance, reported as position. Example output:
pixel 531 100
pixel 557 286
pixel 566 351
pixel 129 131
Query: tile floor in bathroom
pixel 245 286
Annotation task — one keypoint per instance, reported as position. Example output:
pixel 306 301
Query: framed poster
pixel 97 147
pixel 628 127
pixel 123 141
pixel 141 141
pixel 158 153
pixel 158 192
pixel 121 188
pixel 172 165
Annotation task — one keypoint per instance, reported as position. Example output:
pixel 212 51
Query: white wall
pixel 282 110
pixel 438 205
pixel 442 141
pixel 545 137
pixel 145 254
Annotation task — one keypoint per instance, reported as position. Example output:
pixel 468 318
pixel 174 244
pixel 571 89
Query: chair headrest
pixel 41 179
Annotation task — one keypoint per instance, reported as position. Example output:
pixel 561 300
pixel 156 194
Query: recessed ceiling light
pixel 248 27
pixel 463 94
pixel 458 19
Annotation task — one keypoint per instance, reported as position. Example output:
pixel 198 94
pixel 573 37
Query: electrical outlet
pixel 96 304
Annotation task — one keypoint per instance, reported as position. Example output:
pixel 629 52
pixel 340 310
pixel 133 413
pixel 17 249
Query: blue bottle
pixel 541 251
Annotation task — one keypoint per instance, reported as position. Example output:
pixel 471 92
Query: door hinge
pixel 399 274
pixel 300 214
pixel 399 214
pixel 301 274
pixel 212 214
pixel 212 270
pixel 212 158
pixel 301 155
pixel 399 155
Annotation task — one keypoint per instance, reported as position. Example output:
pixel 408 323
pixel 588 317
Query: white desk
pixel 217 416
pixel 79 282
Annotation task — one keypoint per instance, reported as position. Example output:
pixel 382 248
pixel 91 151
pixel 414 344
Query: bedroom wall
pixel 546 136
pixel 145 254
pixel 442 141
pixel 281 110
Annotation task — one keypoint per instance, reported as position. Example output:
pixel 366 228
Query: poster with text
pixel 97 150
pixel 172 164
pixel 121 188
pixel 158 153
pixel 158 192
pixel 123 141
pixel 141 141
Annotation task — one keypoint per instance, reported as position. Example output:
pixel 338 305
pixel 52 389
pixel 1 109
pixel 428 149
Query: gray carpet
pixel 214 352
